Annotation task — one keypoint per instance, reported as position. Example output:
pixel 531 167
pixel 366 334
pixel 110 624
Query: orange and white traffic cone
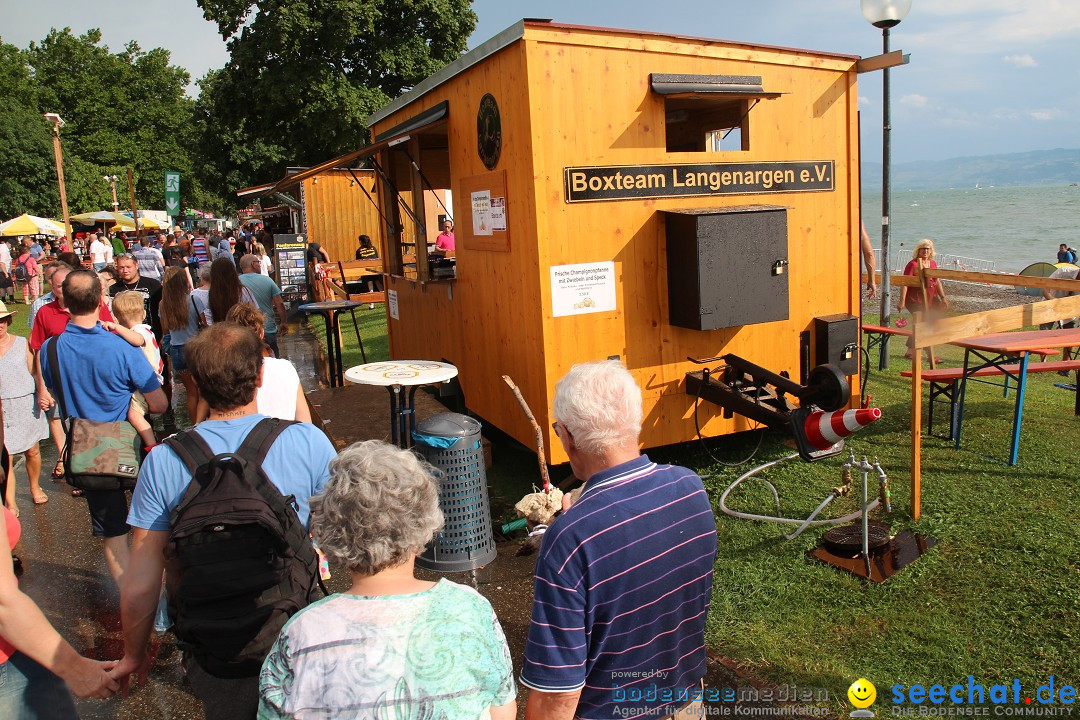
pixel 824 429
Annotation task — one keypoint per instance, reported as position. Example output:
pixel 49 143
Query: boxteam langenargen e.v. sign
pixel 635 182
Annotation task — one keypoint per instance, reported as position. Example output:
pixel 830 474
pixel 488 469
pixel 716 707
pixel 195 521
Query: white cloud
pixel 974 26
pixel 1022 61
pixel 1043 114
pixel 915 100
pixel 865 101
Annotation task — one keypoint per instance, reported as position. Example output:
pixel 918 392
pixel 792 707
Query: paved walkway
pixel 65 574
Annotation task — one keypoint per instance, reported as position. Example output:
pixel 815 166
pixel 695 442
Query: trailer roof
pixel 517 31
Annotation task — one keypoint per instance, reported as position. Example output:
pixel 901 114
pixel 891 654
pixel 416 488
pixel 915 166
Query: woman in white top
pixel 265 267
pixel 280 394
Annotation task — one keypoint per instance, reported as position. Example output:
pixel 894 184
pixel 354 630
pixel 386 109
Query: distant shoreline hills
pixel 1039 167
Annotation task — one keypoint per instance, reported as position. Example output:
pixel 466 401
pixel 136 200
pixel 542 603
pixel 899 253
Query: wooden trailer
pixel 624 195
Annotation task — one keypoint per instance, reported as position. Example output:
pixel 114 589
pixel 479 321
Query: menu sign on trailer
pixel 291 261
pixel 634 182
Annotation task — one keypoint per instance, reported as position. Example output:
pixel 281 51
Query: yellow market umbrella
pixel 31 225
pixel 102 216
pixel 129 224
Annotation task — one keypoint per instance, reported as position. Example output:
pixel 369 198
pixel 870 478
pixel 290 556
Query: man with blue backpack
pixel 223 510
pixel 1066 254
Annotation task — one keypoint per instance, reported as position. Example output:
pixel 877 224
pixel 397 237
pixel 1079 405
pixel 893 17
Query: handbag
pixel 97 455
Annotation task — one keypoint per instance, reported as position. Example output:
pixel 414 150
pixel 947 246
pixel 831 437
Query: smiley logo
pixel 862 693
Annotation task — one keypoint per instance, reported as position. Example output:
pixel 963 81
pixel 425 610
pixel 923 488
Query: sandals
pixel 58 471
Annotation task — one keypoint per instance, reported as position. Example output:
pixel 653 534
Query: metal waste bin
pixel 451 442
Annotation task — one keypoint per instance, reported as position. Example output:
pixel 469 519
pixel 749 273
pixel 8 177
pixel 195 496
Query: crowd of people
pixel 623 577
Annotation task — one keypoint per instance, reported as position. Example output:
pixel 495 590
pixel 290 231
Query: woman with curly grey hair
pixel 392 645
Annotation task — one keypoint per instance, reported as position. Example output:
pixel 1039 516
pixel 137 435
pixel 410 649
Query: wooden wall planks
pixel 572 97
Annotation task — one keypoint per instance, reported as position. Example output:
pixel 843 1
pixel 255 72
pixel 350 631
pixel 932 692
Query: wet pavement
pixel 65 573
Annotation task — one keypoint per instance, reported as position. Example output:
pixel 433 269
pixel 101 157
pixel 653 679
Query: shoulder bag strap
pixel 54 370
pixel 200 318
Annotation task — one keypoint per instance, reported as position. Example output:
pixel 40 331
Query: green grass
pixel 18 320
pixel 372 325
pixel 998 598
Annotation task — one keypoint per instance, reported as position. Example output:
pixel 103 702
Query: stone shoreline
pixel 965 297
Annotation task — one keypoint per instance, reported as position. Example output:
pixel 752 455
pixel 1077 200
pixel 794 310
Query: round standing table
pixel 394 375
pixel 330 311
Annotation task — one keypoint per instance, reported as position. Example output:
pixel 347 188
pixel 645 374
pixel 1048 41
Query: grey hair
pixel 599 403
pixel 379 507
pixel 204 272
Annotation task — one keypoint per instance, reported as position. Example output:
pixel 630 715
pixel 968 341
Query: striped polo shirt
pixel 622 588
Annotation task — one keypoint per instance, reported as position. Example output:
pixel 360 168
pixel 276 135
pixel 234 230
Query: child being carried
pixel 129 310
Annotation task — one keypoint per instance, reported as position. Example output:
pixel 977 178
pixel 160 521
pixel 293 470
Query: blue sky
pixel 986 76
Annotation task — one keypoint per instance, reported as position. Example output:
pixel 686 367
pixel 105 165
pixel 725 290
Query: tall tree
pixel 27 177
pixel 304 74
pixel 122 109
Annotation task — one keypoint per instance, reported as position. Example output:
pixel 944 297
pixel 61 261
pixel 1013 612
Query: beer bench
pixel 875 334
pixel 345 272
pixel 945 383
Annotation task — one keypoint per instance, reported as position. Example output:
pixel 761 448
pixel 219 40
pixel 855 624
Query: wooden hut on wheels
pixel 628 195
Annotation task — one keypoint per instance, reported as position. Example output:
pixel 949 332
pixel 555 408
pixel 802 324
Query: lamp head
pixel 55 119
pixel 885 13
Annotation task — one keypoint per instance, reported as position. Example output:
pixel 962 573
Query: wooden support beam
pixel 981 277
pixel 945 330
pixel 999 279
pixel 880 62
pixel 896 280
pixel 916 435
pixel 416 183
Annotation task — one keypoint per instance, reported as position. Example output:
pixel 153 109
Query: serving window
pixel 415 199
pixel 708 113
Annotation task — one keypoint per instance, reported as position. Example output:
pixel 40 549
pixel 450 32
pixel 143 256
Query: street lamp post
pixel 57 122
pixel 885 14
pixel 112 180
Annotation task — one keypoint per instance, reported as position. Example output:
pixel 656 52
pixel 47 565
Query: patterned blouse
pixel 434 655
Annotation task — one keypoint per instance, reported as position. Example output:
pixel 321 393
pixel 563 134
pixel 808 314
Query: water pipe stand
pixel 886 561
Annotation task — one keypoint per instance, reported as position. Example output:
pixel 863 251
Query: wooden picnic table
pixel 999 351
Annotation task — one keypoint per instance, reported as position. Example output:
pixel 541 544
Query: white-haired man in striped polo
pixel 624 576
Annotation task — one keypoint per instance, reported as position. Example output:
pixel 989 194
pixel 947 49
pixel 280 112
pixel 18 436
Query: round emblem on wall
pixel 488 132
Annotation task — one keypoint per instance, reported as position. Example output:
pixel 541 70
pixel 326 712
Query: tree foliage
pixel 122 109
pixel 27 171
pixel 304 74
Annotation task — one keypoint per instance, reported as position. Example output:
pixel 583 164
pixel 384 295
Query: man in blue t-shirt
pixel 226 362
pixel 624 575
pixel 98 372
pixel 267 295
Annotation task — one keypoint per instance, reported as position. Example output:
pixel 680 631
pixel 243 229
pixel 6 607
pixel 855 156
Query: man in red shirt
pixel 50 321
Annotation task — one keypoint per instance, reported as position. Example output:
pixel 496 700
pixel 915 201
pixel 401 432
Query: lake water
pixel 1012 226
